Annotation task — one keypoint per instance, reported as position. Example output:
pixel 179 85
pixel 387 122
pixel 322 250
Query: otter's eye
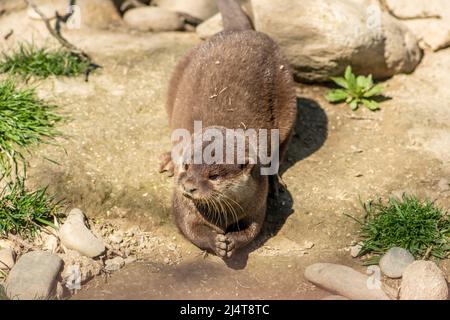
pixel 214 177
pixel 186 166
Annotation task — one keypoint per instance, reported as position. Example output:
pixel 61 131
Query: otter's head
pixel 216 183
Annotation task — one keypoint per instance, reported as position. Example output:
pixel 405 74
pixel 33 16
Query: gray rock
pixel 321 37
pixel 114 264
pixel 347 282
pixel 153 19
pixel 395 261
pixel 76 236
pixel 200 9
pixel 423 280
pixel 7 259
pixel 35 276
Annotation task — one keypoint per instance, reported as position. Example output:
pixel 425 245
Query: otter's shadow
pixel 311 132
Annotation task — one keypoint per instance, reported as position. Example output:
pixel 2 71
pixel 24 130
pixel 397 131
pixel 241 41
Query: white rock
pixel 355 250
pixel 321 37
pixel 423 280
pixel 394 262
pixel 76 236
pixel 347 282
pixel 200 9
pixel 114 264
pixel 153 19
pixel 34 276
pixel 7 259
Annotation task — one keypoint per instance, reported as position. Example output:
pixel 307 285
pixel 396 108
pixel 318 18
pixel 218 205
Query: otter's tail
pixel 234 18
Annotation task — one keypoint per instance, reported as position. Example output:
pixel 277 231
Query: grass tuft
pixel 417 226
pixel 25 121
pixel 23 212
pixel 28 60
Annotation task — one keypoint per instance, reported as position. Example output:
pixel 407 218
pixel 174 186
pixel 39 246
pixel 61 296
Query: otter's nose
pixel 189 188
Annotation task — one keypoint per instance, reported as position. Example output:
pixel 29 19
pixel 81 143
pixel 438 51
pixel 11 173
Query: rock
pixel 130 260
pixel 7 259
pixel 7 6
pixel 153 19
pixel 317 41
pixel 347 282
pixel 423 280
pixel 335 297
pixel 444 185
pixel 76 236
pixel 50 243
pixel 115 238
pixel 34 276
pixel 355 250
pixel 200 9
pixel 433 33
pixel 114 264
pixel 92 13
pixel 394 262
pixel 78 269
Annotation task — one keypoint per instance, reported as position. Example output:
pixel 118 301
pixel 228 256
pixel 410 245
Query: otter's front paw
pixel 166 164
pixel 224 246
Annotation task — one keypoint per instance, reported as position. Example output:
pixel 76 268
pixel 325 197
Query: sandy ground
pixel 107 166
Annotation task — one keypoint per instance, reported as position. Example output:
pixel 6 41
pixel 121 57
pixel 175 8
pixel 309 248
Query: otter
pixel 238 79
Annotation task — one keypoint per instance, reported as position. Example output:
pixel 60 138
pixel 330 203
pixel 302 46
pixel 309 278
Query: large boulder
pixel 428 20
pixel 200 9
pixel 321 37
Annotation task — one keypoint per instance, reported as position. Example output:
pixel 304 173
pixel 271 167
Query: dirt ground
pixel 107 166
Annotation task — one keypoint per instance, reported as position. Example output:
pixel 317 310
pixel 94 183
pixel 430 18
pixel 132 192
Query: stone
pixel 432 32
pixel 34 276
pixel 76 236
pixel 355 250
pixel 347 282
pixel 316 39
pixel 423 280
pixel 7 259
pixel 98 14
pixel 335 297
pixel 394 262
pixel 114 264
pixel 200 9
pixel 115 238
pixel 50 243
pixel 153 19
pixel 7 6
pixel 78 268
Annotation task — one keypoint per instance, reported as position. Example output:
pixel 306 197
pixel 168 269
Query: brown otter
pixel 236 79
